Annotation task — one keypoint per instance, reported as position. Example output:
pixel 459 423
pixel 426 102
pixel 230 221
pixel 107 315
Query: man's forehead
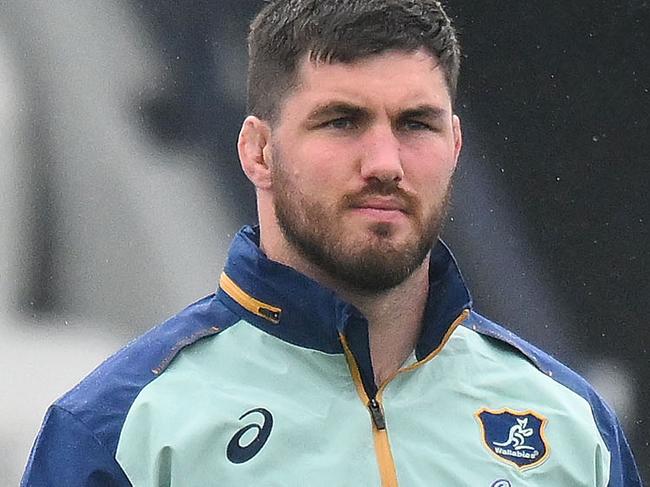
pixel 309 66
pixel 414 77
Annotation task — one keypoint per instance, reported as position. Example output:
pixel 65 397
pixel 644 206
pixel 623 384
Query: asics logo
pixel 238 453
pixel 517 436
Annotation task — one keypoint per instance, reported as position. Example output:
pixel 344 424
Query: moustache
pixel 407 201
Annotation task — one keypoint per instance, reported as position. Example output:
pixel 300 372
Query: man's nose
pixel 381 158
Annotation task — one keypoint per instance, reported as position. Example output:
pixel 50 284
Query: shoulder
pixel 78 440
pixel 520 349
pixel 559 386
pixel 102 400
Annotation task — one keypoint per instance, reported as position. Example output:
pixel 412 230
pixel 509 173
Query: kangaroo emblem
pixel 517 436
pixel 525 446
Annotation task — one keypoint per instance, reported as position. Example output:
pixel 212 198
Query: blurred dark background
pixel 550 213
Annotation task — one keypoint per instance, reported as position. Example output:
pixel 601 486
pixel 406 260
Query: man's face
pixel 362 160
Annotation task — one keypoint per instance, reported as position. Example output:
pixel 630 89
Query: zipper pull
pixel 377 414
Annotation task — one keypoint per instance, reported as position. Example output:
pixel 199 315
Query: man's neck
pixel 394 316
pixel 394 321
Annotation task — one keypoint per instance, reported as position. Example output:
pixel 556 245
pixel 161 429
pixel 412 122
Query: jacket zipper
pixel 385 461
pixel 377 414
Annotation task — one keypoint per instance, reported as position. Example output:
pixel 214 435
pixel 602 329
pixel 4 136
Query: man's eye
pixel 341 124
pixel 416 125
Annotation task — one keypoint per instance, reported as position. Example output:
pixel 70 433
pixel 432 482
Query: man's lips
pixel 383 209
pixel 380 204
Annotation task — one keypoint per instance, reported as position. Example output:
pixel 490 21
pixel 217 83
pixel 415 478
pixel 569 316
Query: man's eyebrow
pixel 337 109
pixel 429 112
pixel 345 109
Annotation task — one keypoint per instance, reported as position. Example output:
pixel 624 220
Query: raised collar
pixel 297 309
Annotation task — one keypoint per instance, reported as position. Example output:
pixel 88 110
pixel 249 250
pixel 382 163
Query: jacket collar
pixel 297 309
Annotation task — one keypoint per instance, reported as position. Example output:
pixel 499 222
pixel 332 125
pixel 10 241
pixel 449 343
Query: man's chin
pixel 380 250
pixel 374 268
pixel 383 236
pixel 363 229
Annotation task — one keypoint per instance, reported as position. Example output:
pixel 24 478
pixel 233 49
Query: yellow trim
pixel 387 471
pixel 382 445
pixel 354 369
pixel 271 313
pixel 457 322
pixel 385 459
pixel 542 432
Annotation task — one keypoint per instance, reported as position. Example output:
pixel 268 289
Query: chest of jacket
pixel 245 408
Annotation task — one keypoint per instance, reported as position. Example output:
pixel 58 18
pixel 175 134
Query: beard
pixel 370 264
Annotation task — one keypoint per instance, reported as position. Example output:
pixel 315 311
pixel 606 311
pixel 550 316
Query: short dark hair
pixel 340 31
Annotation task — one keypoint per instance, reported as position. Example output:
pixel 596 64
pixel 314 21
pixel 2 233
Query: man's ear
pixel 253 148
pixel 458 136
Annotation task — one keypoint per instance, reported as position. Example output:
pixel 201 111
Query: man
pixel 340 348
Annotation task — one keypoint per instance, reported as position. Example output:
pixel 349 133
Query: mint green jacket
pixel 269 382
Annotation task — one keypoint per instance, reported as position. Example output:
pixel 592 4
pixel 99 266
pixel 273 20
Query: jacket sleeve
pixel 66 453
pixel 623 469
